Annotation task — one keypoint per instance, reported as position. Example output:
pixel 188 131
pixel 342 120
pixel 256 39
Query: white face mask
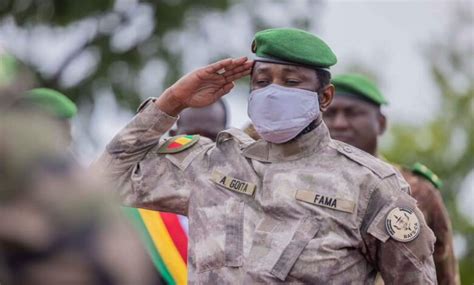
pixel 280 113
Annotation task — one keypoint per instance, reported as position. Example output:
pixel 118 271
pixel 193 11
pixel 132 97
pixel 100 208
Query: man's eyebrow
pixel 290 68
pixel 262 69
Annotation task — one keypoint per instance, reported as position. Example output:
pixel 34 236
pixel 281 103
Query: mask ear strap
pixel 319 100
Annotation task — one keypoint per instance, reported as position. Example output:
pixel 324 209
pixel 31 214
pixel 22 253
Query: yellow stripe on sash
pixel 165 245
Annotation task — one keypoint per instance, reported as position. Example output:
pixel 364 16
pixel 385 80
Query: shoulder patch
pixel 425 172
pixel 380 168
pixel 178 143
pixel 402 224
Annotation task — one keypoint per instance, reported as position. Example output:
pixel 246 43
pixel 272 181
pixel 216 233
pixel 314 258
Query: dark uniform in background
pixel 424 188
pixel 355 118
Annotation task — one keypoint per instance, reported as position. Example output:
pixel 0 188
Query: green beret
pixel 52 102
pixel 425 172
pixel 357 84
pixel 293 46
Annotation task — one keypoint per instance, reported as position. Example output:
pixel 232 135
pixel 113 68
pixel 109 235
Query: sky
pixel 390 37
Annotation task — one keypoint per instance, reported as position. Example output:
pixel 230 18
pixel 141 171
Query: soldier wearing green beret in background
pixel 293 207
pixel 51 103
pixel 355 118
pixel 57 225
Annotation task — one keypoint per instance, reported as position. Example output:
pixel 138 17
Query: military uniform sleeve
pixel 397 240
pixel 143 177
pixel 445 261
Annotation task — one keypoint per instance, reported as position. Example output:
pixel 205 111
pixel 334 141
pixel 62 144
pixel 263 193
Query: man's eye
pixel 292 82
pixel 353 113
pixel 261 82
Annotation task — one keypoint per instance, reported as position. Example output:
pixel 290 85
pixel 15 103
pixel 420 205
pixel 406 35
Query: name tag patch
pixel 233 184
pixel 325 201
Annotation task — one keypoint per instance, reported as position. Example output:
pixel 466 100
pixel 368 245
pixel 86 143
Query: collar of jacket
pixel 303 146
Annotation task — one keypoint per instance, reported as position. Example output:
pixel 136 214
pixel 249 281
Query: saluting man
pixel 355 117
pixel 295 206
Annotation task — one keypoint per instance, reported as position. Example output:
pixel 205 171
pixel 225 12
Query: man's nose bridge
pixel 278 80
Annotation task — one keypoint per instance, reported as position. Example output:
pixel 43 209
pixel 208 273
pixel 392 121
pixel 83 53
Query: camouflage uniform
pixel 431 204
pixel 309 211
pixel 56 226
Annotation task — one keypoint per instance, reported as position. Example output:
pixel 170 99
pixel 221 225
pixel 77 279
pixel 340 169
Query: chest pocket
pixel 278 245
pixel 222 244
pixel 234 234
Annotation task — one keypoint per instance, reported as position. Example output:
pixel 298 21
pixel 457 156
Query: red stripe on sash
pixel 177 233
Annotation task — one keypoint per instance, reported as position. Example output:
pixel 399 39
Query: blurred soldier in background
pixel 55 226
pixel 354 117
pixel 15 77
pixel 53 104
pixel 207 121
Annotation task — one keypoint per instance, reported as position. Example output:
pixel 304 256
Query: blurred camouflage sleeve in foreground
pixel 57 226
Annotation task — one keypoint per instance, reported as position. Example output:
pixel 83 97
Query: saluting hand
pixel 203 86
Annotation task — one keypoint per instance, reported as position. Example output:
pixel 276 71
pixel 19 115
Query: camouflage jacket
pixel 56 225
pixel 312 210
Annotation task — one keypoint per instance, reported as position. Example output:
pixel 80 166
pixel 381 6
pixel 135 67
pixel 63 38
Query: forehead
pixel 267 67
pixel 350 102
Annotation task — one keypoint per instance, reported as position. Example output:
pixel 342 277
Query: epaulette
pixel 237 134
pixel 422 170
pixel 380 168
pixel 178 143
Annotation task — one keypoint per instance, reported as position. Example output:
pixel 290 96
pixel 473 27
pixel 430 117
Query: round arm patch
pixel 402 224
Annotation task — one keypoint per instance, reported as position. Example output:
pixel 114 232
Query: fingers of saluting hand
pixel 236 63
pixel 237 75
pixel 224 90
pixel 228 67
pixel 237 68
pixel 217 66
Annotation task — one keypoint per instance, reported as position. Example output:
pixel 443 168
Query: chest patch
pixel 178 143
pixel 402 224
pixel 325 201
pixel 233 184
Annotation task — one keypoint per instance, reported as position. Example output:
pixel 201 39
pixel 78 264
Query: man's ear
pixel 382 121
pixel 325 97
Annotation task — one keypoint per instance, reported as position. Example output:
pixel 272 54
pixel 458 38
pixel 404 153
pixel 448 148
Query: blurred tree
pixel 121 37
pixel 446 144
pixel 114 44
